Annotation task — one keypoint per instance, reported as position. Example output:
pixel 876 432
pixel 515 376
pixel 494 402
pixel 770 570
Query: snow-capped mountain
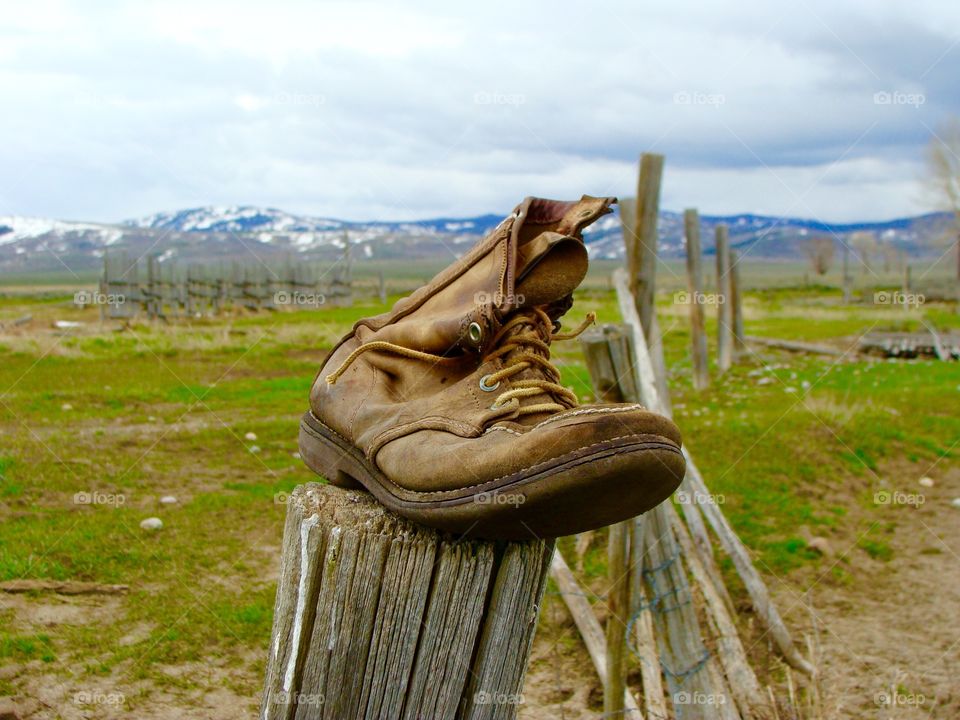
pixel 233 233
pixel 242 218
pixel 15 228
pixel 246 218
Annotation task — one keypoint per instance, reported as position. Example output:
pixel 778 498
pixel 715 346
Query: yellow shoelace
pixel 526 331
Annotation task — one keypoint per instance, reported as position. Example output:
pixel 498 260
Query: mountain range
pixel 210 234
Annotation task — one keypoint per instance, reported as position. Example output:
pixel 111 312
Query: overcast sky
pixel 353 110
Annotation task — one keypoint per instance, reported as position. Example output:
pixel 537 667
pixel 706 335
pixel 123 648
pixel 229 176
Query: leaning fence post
pixel 378 617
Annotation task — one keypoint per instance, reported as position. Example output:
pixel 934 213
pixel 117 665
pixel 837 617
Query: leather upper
pixel 426 421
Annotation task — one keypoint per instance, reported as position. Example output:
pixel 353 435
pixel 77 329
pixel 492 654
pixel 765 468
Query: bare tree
pixel 943 157
pixel 820 251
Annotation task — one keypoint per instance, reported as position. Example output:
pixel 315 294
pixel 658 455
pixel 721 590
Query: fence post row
pixel 202 290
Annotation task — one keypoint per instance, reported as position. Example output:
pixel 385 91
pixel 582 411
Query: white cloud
pixel 362 110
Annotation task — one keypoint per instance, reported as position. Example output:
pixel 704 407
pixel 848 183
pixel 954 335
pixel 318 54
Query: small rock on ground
pixel 152 523
pixel 821 545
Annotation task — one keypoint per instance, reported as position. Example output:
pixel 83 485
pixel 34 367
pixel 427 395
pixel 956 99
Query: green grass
pixel 795 445
pixel 26 647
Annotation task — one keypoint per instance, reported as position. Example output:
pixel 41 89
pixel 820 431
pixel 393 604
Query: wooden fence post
pixel 381 288
pixel 642 256
pixel 151 293
pixel 724 307
pixel 736 304
pixel 847 280
pixel 576 601
pixel 606 388
pixel 377 617
pixel 641 238
pixel 698 336
pixel 906 286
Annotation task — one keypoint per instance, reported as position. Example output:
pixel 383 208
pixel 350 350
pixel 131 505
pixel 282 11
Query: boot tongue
pixel 534 258
pixel 551 259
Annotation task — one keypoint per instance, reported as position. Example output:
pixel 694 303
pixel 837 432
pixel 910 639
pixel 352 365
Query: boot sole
pixel 585 489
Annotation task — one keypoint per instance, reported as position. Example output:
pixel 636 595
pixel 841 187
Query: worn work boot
pixel 448 409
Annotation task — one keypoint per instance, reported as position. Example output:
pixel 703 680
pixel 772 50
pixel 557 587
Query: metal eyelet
pixel 475 334
pixel 488 388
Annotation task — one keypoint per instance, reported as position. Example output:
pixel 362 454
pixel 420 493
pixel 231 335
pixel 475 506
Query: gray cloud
pixel 365 110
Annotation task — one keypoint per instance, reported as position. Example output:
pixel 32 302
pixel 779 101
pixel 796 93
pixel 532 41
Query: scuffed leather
pixel 429 427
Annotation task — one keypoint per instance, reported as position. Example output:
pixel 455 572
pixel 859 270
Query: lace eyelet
pixel 475 334
pixel 488 388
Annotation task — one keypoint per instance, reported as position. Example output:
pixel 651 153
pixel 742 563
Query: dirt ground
pixel 887 638
pixel 891 640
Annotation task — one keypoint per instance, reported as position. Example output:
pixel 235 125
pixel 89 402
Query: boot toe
pixel 588 467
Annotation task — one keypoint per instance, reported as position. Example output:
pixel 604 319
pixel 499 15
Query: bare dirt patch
pixel 890 637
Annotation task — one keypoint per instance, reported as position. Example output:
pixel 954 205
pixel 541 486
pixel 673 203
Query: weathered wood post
pixel 152 292
pixel 724 307
pixel 642 259
pixel 698 336
pixel 736 302
pixel 377 617
pixel 906 286
pixel 847 280
pixel 641 242
pixel 606 388
pixel 381 288
pixel 104 285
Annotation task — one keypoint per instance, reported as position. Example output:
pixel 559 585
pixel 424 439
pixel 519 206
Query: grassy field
pixel 97 424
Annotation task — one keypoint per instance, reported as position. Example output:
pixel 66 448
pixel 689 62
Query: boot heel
pixel 325 457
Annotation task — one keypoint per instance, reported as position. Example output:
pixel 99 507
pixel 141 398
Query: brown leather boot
pixel 448 409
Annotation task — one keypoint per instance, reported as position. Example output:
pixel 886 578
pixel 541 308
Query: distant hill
pixel 209 234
